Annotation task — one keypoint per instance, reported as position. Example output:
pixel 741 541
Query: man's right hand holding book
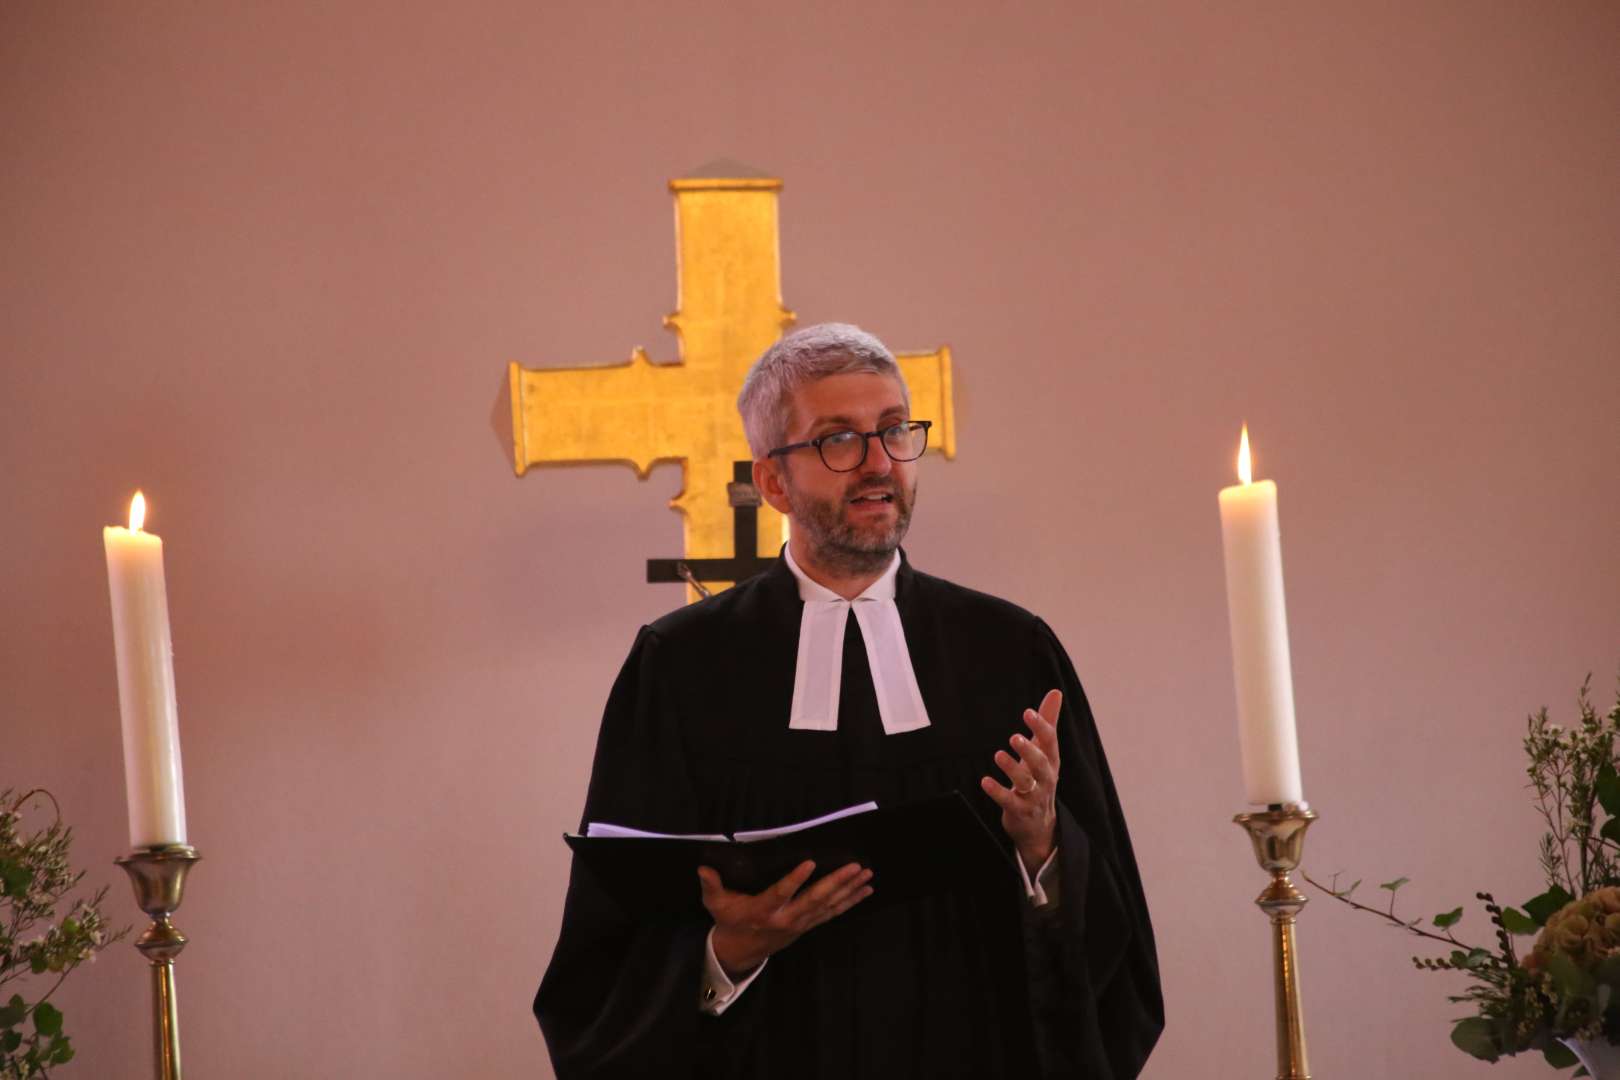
pixel 749 929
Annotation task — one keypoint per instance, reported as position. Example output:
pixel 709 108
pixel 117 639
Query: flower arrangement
pixel 35 876
pixel 1567 987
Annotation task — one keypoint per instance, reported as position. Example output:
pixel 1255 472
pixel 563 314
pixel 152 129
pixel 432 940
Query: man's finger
pixel 836 879
pixel 860 894
pixel 1052 706
pixel 839 895
pixel 783 890
pixel 1003 797
pixel 810 907
pixel 854 897
pixel 837 905
pixel 832 883
pixel 713 888
pixel 1035 760
pixel 1022 779
pixel 812 912
pixel 1045 731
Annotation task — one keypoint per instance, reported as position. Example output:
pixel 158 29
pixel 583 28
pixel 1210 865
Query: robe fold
pixel 972 981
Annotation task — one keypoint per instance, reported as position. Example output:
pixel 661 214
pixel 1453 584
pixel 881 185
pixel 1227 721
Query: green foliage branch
pixel 1568 985
pixel 36 874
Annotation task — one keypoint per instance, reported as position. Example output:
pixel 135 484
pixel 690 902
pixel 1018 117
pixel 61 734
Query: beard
pixel 845 546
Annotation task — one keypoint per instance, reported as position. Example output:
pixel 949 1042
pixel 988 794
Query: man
pixel 838 676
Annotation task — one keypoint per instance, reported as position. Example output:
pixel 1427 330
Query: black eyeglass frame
pixel 866 443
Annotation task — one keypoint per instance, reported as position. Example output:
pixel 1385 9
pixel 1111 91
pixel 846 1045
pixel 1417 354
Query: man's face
pixel 843 527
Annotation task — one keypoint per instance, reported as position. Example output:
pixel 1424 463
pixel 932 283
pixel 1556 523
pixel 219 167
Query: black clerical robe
pixel 970 982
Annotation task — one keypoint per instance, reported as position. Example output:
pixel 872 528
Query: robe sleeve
pixel 620 995
pixel 1093 968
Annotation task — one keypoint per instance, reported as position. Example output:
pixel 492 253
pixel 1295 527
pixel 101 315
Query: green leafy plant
pixel 35 877
pixel 1568 985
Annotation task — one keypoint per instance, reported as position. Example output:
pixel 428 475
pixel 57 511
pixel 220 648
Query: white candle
pixel 1259 622
pixel 140 615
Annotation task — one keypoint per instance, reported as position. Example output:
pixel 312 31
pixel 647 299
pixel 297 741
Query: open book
pixel 602 828
pixel 913 849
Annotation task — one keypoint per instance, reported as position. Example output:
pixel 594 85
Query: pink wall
pixel 270 263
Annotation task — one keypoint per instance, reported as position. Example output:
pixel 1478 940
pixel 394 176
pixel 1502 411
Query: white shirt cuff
pixel 718 991
pixel 1043 891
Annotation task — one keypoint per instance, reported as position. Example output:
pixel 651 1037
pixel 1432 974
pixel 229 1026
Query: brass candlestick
pixel 159 877
pixel 1278 835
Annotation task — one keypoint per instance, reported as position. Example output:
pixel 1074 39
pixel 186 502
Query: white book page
pixel 800 826
pixel 602 828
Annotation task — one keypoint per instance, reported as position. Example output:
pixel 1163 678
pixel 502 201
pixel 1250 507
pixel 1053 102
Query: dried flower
pixel 1569 984
pixel 35 875
pixel 1585 930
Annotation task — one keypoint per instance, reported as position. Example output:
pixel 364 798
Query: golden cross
pixel 728 311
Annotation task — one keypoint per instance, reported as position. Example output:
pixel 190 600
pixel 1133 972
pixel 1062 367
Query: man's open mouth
pixel 873 497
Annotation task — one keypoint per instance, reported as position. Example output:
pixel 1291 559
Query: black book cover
pixel 913 849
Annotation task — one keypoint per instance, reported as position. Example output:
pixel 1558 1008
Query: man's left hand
pixel 1029 806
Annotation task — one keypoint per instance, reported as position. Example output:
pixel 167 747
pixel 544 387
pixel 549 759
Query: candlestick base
pixel 158 876
pixel 1278 836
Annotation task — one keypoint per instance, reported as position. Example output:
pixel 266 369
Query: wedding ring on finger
pixel 1033 784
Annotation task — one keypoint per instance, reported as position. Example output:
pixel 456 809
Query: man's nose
pixel 877 461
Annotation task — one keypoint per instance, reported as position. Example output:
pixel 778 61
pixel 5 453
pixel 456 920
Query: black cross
pixel 745 563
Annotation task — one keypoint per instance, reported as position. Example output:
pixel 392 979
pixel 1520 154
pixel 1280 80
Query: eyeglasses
pixel 845 451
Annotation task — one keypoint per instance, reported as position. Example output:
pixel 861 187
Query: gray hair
pixel 816 352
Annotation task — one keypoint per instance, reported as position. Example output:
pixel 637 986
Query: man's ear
pixel 768 481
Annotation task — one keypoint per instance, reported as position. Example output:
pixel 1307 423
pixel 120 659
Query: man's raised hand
pixel 748 929
pixel 1029 806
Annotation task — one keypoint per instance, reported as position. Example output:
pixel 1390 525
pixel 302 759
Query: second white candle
pixel 140 617
pixel 1259 622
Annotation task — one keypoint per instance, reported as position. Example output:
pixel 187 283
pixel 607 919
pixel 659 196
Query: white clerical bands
pixel 818 673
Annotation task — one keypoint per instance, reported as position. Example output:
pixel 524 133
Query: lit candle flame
pixel 137 512
pixel 1243 457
